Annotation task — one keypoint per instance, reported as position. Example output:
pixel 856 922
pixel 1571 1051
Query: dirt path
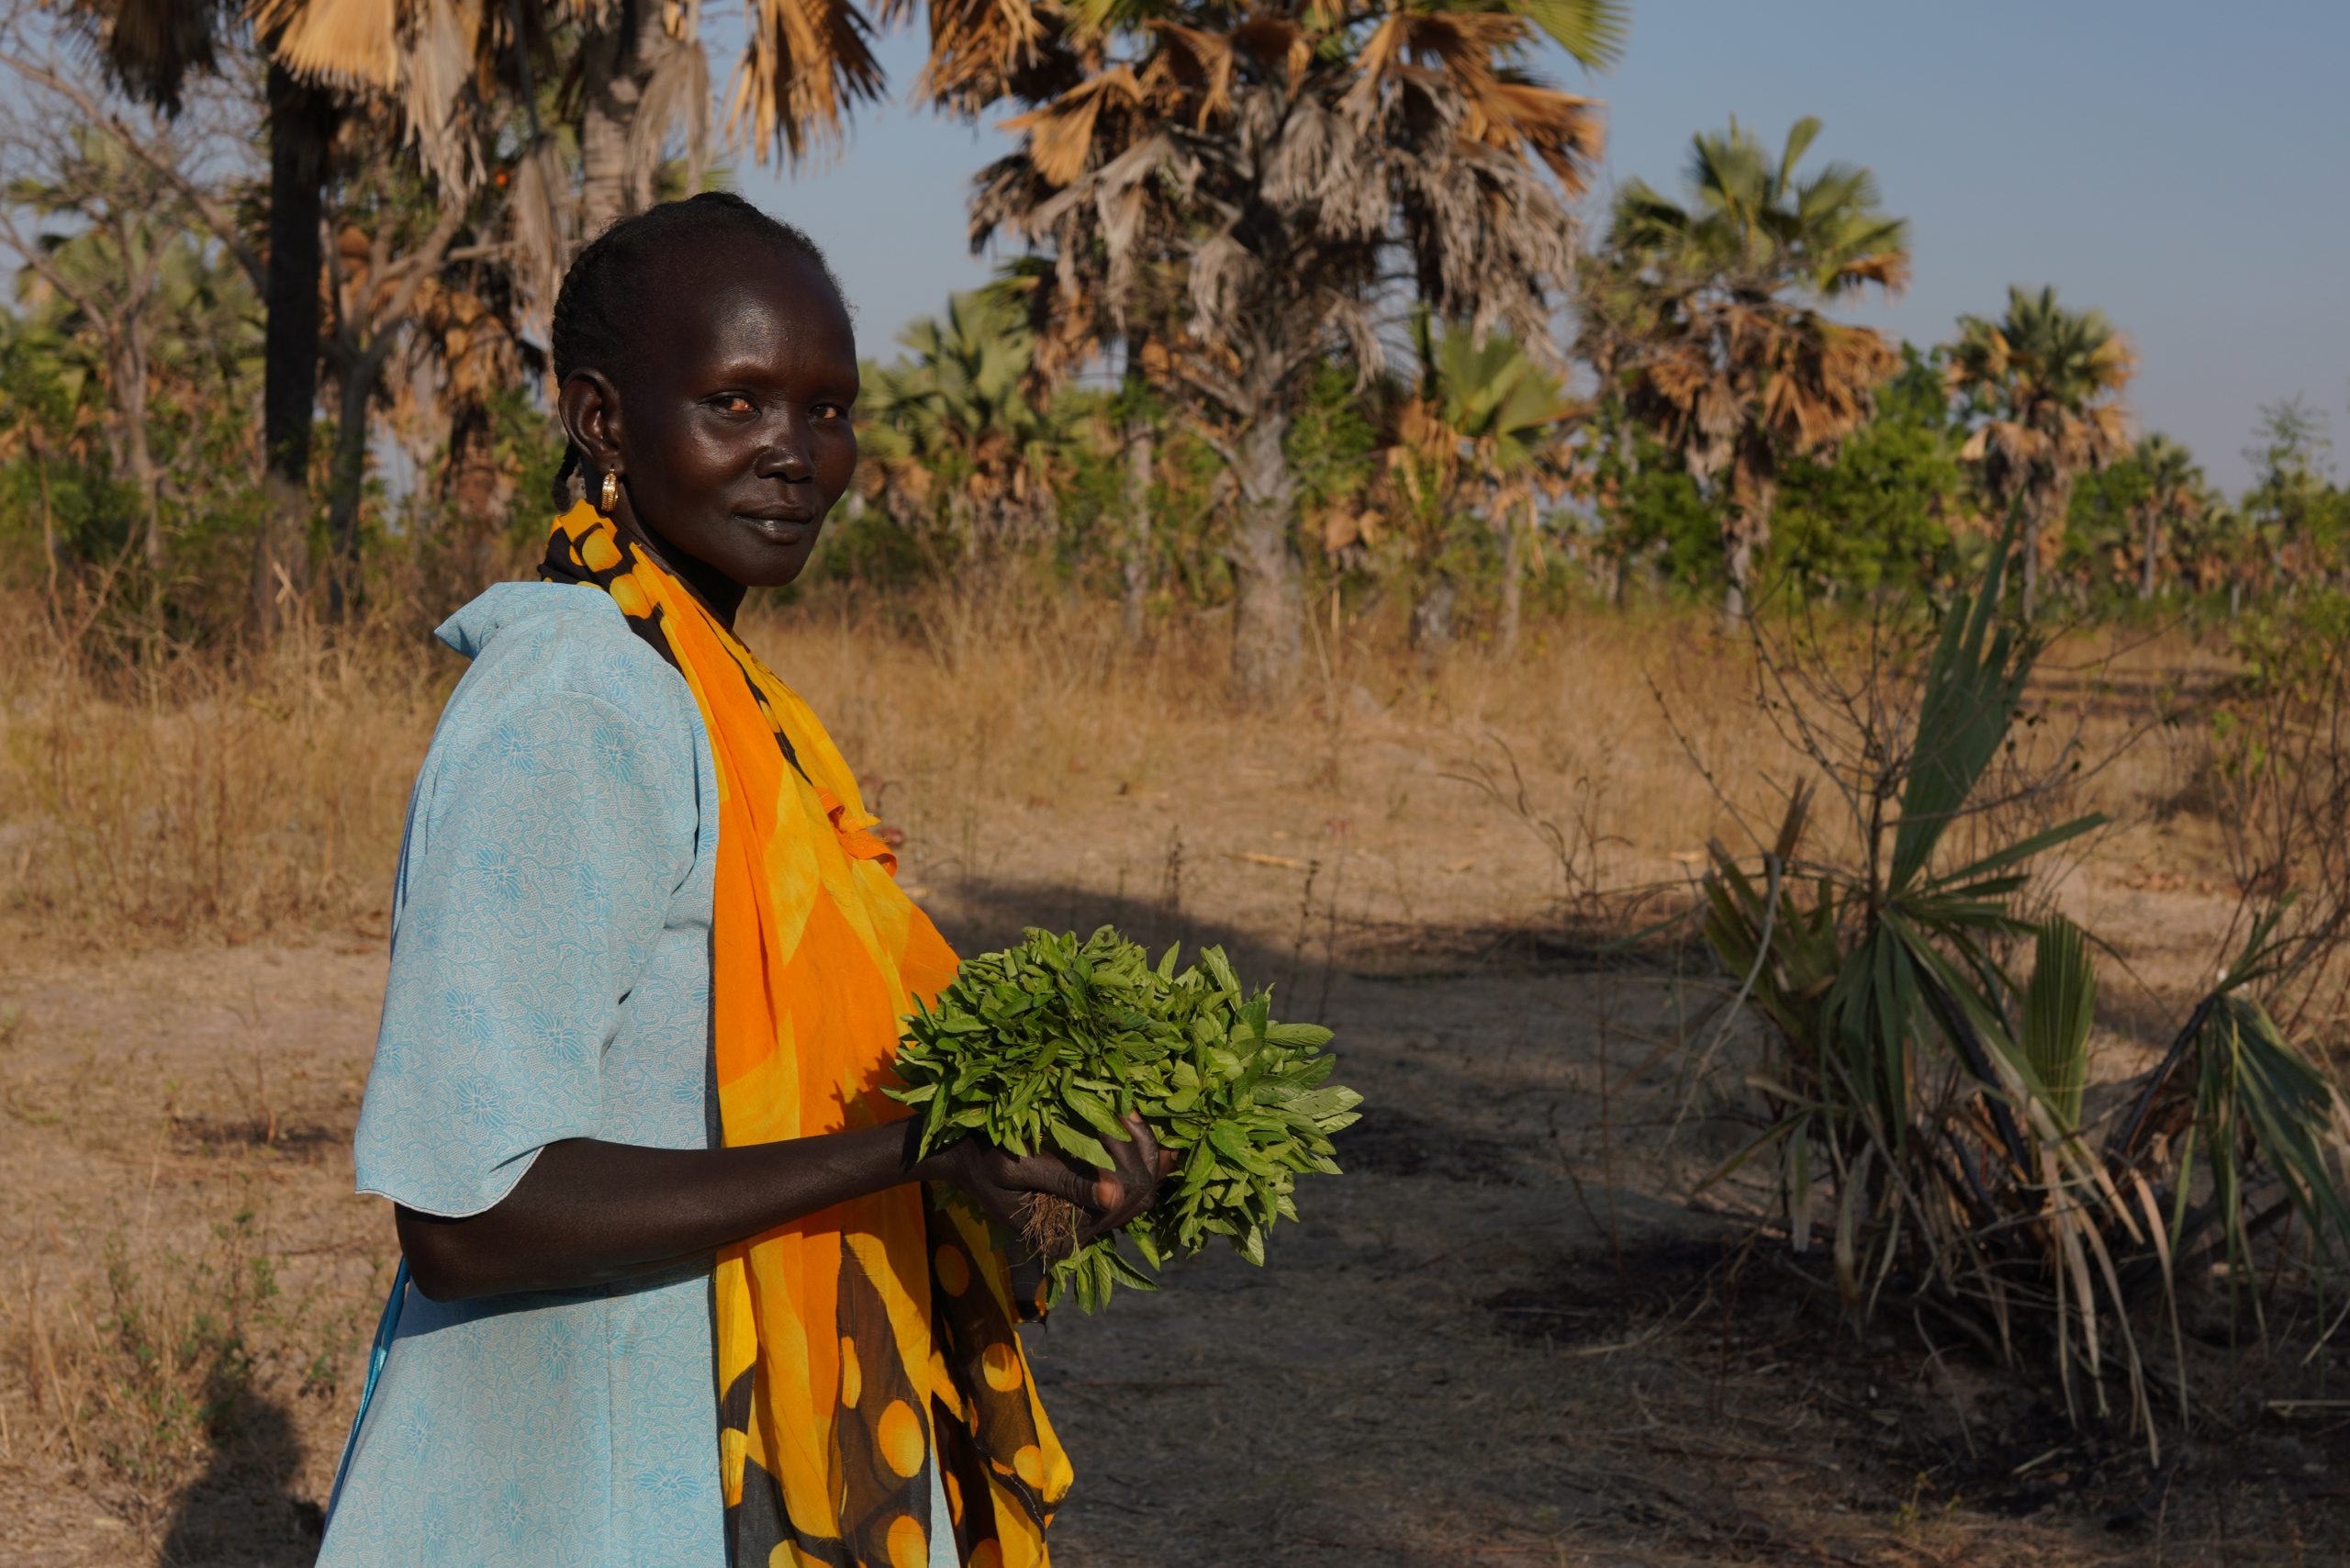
pixel 1483 1345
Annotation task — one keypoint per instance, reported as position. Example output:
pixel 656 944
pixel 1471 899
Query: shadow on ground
pixel 242 1509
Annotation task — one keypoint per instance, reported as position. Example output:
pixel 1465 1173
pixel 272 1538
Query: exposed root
pixel 1048 1225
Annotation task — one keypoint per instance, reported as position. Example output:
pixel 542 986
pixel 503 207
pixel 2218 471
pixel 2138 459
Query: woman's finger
pixel 1055 1177
pixel 1141 1163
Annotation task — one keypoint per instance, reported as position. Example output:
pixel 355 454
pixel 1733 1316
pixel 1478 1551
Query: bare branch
pixel 216 217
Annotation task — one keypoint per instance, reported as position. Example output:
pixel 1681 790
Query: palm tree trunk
pixel 1141 466
pixel 1513 586
pixel 1432 614
pixel 475 488
pixel 614 77
pixel 1268 608
pixel 2054 500
pixel 301 124
pixel 129 373
pixel 2146 567
pixel 345 590
pixel 2030 602
pixel 1746 534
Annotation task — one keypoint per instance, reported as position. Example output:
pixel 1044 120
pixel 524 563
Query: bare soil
pixel 1503 1338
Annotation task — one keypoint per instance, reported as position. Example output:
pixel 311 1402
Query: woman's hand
pixel 1002 1183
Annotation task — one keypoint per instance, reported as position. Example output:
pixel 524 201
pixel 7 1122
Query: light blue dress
pixel 550 978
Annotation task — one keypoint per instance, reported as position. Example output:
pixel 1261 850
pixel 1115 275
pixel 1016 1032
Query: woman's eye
pixel 735 403
pixel 829 411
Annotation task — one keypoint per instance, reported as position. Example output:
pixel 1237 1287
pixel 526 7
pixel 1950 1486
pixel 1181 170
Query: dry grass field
pixel 1507 1336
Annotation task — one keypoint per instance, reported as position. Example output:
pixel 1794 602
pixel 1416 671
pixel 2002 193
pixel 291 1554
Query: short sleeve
pixel 545 846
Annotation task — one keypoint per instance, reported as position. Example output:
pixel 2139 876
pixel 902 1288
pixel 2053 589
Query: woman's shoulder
pixel 552 655
pixel 542 641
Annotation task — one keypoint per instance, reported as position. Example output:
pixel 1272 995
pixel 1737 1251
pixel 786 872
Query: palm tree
pixel 1485 428
pixel 1721 347
pixel 2218 548
pixel 957 427
pixel 1288 164
pixel 2045 383
pixel 2174 494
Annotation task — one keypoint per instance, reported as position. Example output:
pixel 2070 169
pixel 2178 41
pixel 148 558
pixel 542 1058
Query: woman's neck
pixel 717 592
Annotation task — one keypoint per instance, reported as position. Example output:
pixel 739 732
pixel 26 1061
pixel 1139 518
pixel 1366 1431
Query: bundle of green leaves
pixel 1050 1044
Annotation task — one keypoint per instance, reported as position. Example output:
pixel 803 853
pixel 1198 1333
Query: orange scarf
pixel 862 1345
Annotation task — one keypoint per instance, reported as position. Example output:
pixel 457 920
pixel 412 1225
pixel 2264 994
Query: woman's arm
pixel 520 926
pixel 589 1212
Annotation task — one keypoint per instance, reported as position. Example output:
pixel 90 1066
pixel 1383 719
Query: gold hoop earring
pixel 611 495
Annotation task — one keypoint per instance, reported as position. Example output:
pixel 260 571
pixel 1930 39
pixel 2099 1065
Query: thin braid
pixel 602 290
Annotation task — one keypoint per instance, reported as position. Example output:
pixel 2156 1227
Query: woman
pixel 674 1290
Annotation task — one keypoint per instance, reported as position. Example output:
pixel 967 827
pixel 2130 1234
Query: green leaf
pixel 2059 1006
pixel 1097 1112
pixel 1592 32
pixel 1080 1146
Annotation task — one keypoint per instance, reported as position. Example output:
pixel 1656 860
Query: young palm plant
pixel 955 434
pixel 1929 1106
pixel 1483 430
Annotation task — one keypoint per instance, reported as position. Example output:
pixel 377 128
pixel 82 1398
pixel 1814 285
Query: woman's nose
pixel 785 455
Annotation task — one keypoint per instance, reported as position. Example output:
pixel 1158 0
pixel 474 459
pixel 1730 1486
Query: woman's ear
pixel 590 406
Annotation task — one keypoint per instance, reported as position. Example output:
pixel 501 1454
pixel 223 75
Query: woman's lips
pixel 784 528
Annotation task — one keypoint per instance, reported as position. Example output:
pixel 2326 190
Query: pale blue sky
pixel 2179 166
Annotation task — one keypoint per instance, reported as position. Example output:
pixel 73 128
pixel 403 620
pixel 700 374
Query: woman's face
pixel 730 434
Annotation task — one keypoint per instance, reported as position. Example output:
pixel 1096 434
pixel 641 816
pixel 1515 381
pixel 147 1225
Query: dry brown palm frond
pixel 1276 40
pixel 1564 129
pixel 1378 54
pixel 1199 64
pixel 156 44
pixel 2004 441
pixel 1997 358
pixel 676 92
pixel 538 224
pixel 1467 44
pixel 806 64
pixel 1889 270
pixel 355 41
pixel 420 56
pixel 444 65
pixel 977 48
pixel 1061 134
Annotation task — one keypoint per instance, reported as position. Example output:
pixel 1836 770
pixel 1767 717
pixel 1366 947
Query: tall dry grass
pixel 203 796
pixel 200 795
pixel 132 1381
